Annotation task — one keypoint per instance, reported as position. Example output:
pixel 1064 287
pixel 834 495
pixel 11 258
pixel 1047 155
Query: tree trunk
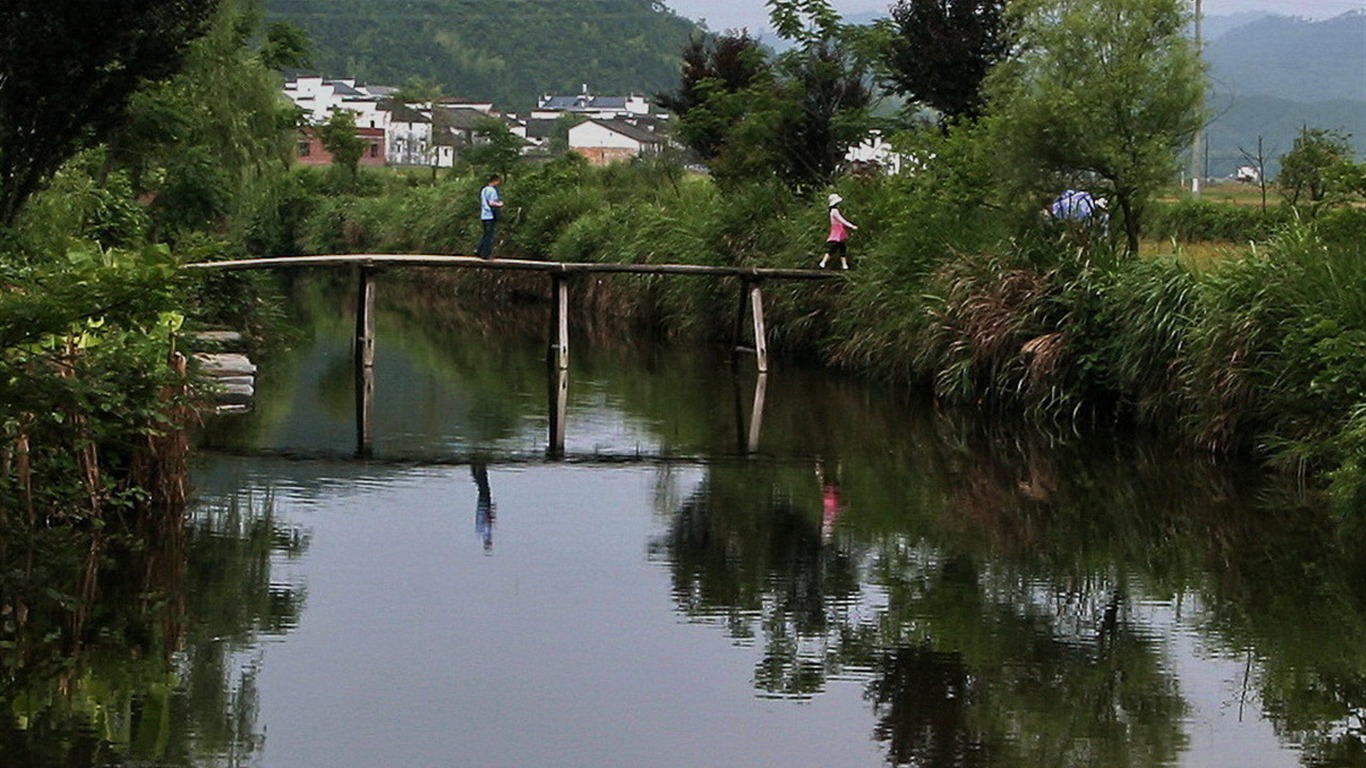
pixel 1126 207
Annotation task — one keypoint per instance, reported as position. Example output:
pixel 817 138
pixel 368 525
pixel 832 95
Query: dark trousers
pixel 485 249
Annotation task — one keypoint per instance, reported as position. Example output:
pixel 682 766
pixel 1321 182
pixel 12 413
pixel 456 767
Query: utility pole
pixel 1198 140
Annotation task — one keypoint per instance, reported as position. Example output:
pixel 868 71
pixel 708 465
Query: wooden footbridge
pixel 751 305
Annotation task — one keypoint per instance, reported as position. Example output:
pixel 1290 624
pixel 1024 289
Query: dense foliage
pixel 941 51
pixel 793 118
pixel 67 72
pixel 91 413
pixel 509 53
pixel 1319 170
pixel 1102 93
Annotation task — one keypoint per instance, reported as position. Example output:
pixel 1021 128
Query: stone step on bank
pixel 223 377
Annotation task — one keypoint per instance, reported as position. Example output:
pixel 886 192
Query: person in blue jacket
pixel 489 207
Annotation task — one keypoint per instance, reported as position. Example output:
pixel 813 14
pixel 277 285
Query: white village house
pixel 875 151
pixel 319 97
pixel 432 135
pixel 550 106
pixel 609 141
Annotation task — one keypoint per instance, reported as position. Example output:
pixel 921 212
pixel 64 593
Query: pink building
pixel 311 151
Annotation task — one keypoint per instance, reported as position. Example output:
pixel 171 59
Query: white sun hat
pixel 835 199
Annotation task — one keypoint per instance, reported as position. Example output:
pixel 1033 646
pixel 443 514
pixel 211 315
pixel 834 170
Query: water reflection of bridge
pixel 751 305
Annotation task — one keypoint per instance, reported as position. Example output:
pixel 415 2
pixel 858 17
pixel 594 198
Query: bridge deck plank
pixel 474 262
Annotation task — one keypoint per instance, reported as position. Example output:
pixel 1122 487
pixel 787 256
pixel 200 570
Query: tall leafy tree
pixel 1319 169
pixel 794 118
pixel 823 92
pixel 1102 93
pixel 67 71
pixel 496 148
pixel 941 50
pixel 339 137
pixel 824 111
pixel 708 102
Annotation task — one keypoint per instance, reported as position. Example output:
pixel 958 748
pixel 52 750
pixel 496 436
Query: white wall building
pixel 409 136
pixel 550 106
pixel 875 149
pixel 319 97
pixel 607 141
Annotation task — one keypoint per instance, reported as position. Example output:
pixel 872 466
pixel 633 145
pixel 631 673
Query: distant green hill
pixel 1292 59
pixel 1239 121
pixel 1275 75
pixel 508 52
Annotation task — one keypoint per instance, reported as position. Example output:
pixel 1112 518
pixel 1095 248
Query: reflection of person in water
pixel 484 511
pixel 830 499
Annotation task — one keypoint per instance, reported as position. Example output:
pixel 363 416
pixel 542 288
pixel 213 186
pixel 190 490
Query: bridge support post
pixel 756 414
pixel 559 320
pixel 365 363
pixel 756 300
pixel 747 430
pixel 751 301
pixel 558 402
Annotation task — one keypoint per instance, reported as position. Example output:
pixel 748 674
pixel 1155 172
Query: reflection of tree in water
pixel 1276 579
pixel 921 697
pixel 155 667
pixel 972 658
pixel 757 562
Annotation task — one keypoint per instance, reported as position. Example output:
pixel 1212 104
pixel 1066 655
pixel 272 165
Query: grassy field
pixel 1199 256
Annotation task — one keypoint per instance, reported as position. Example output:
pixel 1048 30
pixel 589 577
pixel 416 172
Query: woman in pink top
pixel 837 244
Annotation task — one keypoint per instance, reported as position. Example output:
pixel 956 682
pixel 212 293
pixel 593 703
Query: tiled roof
pixel 459 118
pixel 636 133
pixel 607 102
pixel 402 113
pixel 540 129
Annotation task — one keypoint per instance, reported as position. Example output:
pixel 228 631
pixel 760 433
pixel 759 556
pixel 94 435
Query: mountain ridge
pixel 508 53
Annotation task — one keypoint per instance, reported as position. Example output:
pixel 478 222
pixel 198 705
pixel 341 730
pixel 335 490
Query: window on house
pixel 305 149
pixel 374 149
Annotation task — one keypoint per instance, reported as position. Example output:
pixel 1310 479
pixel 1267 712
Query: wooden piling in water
pixel 756 298
pixel 559 320
pixel 756 414
pixel 751 303
pixel 558 409
pixel 365 363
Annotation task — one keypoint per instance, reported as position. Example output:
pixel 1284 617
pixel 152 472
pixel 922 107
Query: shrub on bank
pixel 89 419
pixel 1189 220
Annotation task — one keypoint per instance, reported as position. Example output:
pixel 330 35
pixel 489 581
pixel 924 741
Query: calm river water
pixel 859 582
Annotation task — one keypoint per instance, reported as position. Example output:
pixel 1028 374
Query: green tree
pixel 824 100
pixel 204 140
pixel 419 89
pixel 1319 169
pixel 793 119
pixel 1103 93
pixel 67 72
pixel 941 51
pixel 286 47
pixel 822 93
pixel 716 78
pixel 339 137
pixel 496 148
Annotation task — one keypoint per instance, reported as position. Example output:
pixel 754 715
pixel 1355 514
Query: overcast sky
pixel 734 14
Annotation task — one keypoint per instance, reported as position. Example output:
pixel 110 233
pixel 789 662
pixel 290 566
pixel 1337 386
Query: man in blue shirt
pixel 1080 207
pixel 489 205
